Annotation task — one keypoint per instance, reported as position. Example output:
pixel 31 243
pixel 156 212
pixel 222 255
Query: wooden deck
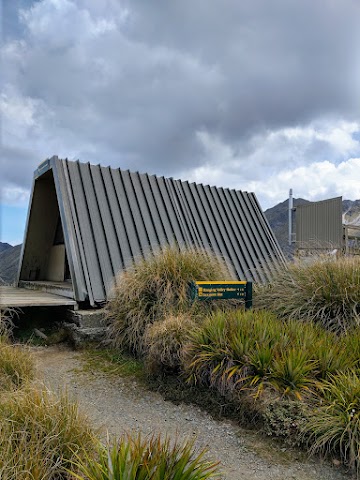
pixel 23 297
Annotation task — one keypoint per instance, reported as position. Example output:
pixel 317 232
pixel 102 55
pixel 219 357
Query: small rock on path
pixel 116 405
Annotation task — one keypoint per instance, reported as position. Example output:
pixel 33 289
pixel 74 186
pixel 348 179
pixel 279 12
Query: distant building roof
pixel 111 216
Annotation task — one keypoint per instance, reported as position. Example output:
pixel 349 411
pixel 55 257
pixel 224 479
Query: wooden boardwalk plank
pixel 22 297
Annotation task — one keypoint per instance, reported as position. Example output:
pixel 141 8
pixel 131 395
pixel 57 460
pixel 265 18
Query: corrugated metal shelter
pixel 319 225
pixel 87 222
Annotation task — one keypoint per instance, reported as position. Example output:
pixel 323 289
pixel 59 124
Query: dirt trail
pixel 116 405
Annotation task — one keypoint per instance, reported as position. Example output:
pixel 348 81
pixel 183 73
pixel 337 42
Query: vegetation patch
pixel 298 381
pixel 16 366
pixel 164 343
pixel 326 291
pixel 291 366
pixel 40 435
pixel 156 288
pixel 334 424
pixel 113 362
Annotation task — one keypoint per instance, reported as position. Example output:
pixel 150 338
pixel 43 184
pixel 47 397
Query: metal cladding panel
pixel 75 250
pixel 153 212
pixel 142 198
pixel 135 212
pixel 213 220
pixel 163 214
pixel 205 225
pixel 250 248
pixel 198 218
pixel 132 243
pixel 122 256
pixel 112 217
pixel 179 213
pixel 319 225
pixel 86 234
pixel 230 239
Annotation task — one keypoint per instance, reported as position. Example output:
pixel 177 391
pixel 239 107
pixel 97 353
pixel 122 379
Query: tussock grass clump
pixel 133 457
pixel 325 291
pixel 334 425
pixel 16 366
pixel 155 288
pixel 39 434
pixel 164 343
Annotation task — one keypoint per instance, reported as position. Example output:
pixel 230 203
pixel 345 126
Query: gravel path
pixel 116 405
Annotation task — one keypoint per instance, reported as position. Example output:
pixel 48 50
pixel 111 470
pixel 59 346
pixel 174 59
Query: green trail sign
pixel 223 290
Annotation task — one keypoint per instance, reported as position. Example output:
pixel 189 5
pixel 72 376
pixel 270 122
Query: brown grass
pixel 39 435
pixel 326 291
pixel 156 288
pixel 164 341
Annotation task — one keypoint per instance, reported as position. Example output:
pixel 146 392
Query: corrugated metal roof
pixel 111 216
pixel 319 225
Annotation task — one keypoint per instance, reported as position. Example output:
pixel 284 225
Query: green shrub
pixel 326 291
pixel 155 288
pixel 334 425
pixel 39 434
pixel 154 459
pixel 164 342
pixel 16 366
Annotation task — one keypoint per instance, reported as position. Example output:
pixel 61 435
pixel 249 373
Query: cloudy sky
pixel 256 95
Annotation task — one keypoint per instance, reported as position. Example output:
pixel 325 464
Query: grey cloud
pixel 17 165
pixel 137 94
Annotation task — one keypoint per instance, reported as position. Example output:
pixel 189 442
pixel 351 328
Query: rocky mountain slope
pixel 4 246
pixel 9 263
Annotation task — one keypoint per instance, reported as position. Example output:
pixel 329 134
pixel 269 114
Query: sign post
pixel 223 290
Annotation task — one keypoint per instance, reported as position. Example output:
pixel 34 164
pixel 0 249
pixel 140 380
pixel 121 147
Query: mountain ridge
pixel 5 246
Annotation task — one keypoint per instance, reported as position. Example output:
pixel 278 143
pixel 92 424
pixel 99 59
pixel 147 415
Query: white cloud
pixel 313 160
pixel 14 196
pixel 60 23
pixel 316 181
pixel 338 135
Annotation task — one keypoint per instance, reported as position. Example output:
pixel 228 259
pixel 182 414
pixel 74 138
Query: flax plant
pixel 136 458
